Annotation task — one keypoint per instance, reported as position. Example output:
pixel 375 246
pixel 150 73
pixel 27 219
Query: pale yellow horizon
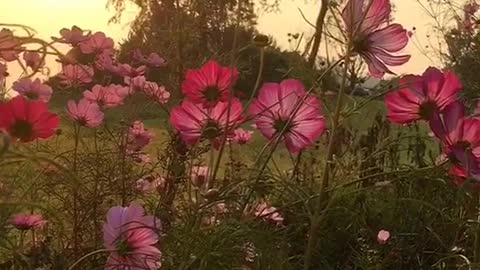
pixel 47 17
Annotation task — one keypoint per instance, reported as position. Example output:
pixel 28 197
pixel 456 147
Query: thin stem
pixel 75 190
pixel 259 77
pixel 87 256
pixel 316 220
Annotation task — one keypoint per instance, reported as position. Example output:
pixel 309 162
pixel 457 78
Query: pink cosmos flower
pixel 132 236
pixel 105 62
pixel 373 38
pixel 157 93
pixel 460 138
pixel 26 222
pixel 242 136
pixel 33 60
pixel 153 59
pixel 268 213
pixel 126 70
pixel 138 136
pixel 122 91
pixel 27 120
pixel 135 83
pixel 73 36
pixel 105 96
pixel 195 122
pixel 199 175
pixel 3 71
pixel 10 46
pixel 97 43
pixel 150 184
pixel 274 112
pixel 35 90
pixel 209 84
pixel 383 236
pixel 85 113
pixel 73 75
pixel 420 97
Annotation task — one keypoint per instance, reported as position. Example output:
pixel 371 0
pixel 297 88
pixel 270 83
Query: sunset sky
pixel 48 16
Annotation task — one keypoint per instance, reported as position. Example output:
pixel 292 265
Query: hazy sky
pixel 48 16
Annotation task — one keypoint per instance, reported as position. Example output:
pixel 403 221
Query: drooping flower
pixel 35 90
pixel 105 96
pixel 73 75
pixel 199 175
pixel 460 139
pixel 268 213
pixel 209 84
pixel 383 236
pixel 242 136
pixel 150 184
pixel 157 93
pixel 373 37
pixel 97 43
pixel 27 120
pixel 274 111
pixel 138 136
pixel 10 46
pixel 85 113
pixel 73 36
pixel 26 222
pixel 421 97
pixel 132 237
pixel 33 60
pixel 195 122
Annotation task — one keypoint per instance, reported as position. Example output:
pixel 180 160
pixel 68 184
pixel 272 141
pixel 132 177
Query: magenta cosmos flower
pixel 33 60
pixel 73 36
pixel 421 97
pixel 85 113
pixel 131 236
pixel 195 122
pixel 460 139
pixel 27 120
pixel 73 75
pixel 97 43
pixel 209 84
pixel 242 136
pixel 373 38
pixel 35 90
pixel 26 222
pixel 156 92
pixel 274 111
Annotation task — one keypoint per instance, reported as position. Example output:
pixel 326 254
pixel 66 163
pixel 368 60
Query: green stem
pixel 316 219
pixel 87 256
pixel 75 191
